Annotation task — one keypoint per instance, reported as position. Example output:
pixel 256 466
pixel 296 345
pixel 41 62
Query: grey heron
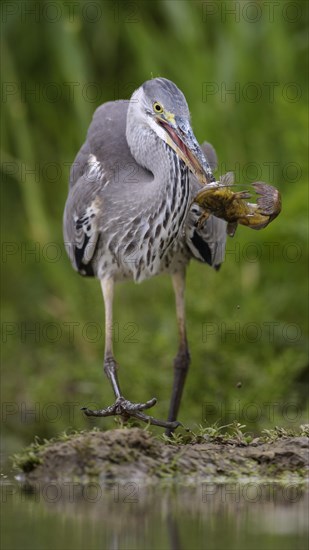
pixel 129 214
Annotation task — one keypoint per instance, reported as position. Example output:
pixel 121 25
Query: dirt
pixel 137 455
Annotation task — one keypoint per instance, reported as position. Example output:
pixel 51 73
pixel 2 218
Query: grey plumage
pixel 122 219
pixel 129 212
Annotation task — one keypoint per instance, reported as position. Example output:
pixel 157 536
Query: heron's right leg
pixel 121 406
pixel 110 365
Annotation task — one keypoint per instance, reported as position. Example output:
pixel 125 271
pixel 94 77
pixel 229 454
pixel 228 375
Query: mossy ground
pixel 133 453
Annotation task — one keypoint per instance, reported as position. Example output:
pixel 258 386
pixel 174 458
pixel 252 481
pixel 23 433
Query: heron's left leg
pixel 182 359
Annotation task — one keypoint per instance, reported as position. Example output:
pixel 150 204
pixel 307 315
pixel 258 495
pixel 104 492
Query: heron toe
pixel 124 407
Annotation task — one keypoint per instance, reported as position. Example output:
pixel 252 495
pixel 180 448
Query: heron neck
pixel 155 155
pixel 166 197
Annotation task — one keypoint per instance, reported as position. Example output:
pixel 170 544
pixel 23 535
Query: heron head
pixel 162 106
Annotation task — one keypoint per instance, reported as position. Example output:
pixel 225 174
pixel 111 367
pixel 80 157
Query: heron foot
pixel 127 409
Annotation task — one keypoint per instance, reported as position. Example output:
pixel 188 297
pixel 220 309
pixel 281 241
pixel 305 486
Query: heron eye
pixel 158 107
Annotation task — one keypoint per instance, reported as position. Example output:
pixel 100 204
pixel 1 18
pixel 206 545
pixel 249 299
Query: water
pixel 238 516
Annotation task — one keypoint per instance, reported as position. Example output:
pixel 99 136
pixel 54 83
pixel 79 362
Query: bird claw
pixel 121 407
pixel 127 409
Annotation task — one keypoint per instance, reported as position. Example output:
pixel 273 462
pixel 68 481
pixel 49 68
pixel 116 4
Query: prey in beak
pixel 217 197
pixel 179 136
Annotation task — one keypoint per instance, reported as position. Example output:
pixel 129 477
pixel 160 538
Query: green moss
pixel 26 461
pixel 279 433
pixel 231 434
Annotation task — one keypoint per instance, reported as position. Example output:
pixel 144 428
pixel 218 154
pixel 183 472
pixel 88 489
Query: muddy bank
pixel 137 455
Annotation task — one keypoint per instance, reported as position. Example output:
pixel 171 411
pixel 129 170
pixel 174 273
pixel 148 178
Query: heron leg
pixel 182 359
pixel 110 365
pixel 122 406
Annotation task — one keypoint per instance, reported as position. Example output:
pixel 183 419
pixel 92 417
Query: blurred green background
pixel 243 73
